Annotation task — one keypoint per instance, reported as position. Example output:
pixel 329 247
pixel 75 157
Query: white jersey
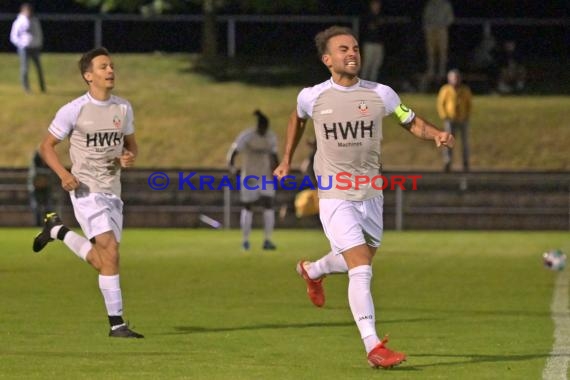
pixel 348 129
pixel 26 32
pixel 96 131
pixel 256 151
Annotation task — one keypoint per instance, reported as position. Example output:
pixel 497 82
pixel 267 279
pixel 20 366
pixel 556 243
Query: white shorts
pixel 348 224
pixel 257 189
pixel 98 213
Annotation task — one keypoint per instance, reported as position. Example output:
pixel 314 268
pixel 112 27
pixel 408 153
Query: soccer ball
pixel 554 259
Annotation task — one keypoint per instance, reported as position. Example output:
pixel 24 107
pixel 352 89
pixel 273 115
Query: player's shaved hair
pixel 323 37
pixel 85 62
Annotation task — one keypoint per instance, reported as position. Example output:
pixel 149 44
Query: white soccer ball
pixel 554 259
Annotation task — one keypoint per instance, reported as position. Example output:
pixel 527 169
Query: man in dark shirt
pixel 373 35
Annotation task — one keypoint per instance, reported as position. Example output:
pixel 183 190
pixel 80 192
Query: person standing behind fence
pixel 454 108
pixel 437 18
pixel 512 74
pixel 373 35
pixel 41 180
pixel 258 147
pixel 26 34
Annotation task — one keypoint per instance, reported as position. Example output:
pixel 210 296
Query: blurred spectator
pixel 26 35
pixel 437 17
pixel 41 181
pixel 373 36
pixel 454 108
pixel 483 54
pixel 512 74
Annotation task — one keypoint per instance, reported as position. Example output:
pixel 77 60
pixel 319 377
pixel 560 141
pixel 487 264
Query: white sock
pixel 370 342
pixel 361 304
pixel 245 222
pixel 329 263
pixel 78 244
pixel 268 222
pixel 111 290
pixel 53 232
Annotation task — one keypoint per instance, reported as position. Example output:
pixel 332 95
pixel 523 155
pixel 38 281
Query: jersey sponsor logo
pixel 349 144
pixel 327 112
pixel 349 130
pixel 117 121
pixel 102 139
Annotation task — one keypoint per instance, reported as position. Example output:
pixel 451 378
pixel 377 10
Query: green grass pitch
pixel 462 305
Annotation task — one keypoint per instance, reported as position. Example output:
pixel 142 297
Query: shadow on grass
pixel 86 355
pixel 274 326
pixel 473 312
pixel 469 359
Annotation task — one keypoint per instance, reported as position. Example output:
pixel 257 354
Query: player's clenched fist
pixel 127 159
pixel 69 182
pixel 444 139
pixel 282 170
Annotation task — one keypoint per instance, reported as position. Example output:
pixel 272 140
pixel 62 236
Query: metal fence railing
pixel 182 32
pixel 442 201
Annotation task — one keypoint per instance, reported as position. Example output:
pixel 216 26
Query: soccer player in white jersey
pixel 347 114
pixel 102 141
pixel 258 148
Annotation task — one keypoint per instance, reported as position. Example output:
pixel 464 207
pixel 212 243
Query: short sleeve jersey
pixel 348 129
pixel 96 131
pixel 256 152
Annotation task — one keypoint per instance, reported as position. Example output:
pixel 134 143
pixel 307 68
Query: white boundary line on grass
pixel 557 364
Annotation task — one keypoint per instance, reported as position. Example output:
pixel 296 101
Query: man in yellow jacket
pixel 454 108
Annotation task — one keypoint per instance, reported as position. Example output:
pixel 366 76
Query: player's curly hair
pixel 323 37
pixel 85 62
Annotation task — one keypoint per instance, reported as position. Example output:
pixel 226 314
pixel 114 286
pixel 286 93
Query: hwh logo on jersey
pixel 349 129
pixel 104 139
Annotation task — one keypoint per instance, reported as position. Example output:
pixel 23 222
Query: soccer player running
pixel 258 147
pixel 347 115
pixel 102 141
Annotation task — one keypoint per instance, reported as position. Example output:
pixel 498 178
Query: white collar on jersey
pixel 100 102
pixel 342 88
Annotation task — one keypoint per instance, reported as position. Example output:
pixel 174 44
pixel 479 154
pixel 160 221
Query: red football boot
pixel 382 356
pixel 314 287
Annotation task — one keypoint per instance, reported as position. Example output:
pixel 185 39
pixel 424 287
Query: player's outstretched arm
pixel 423 129
pixel 295 129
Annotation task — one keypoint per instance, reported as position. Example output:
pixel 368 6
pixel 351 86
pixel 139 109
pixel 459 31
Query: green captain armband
pixel 404 114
